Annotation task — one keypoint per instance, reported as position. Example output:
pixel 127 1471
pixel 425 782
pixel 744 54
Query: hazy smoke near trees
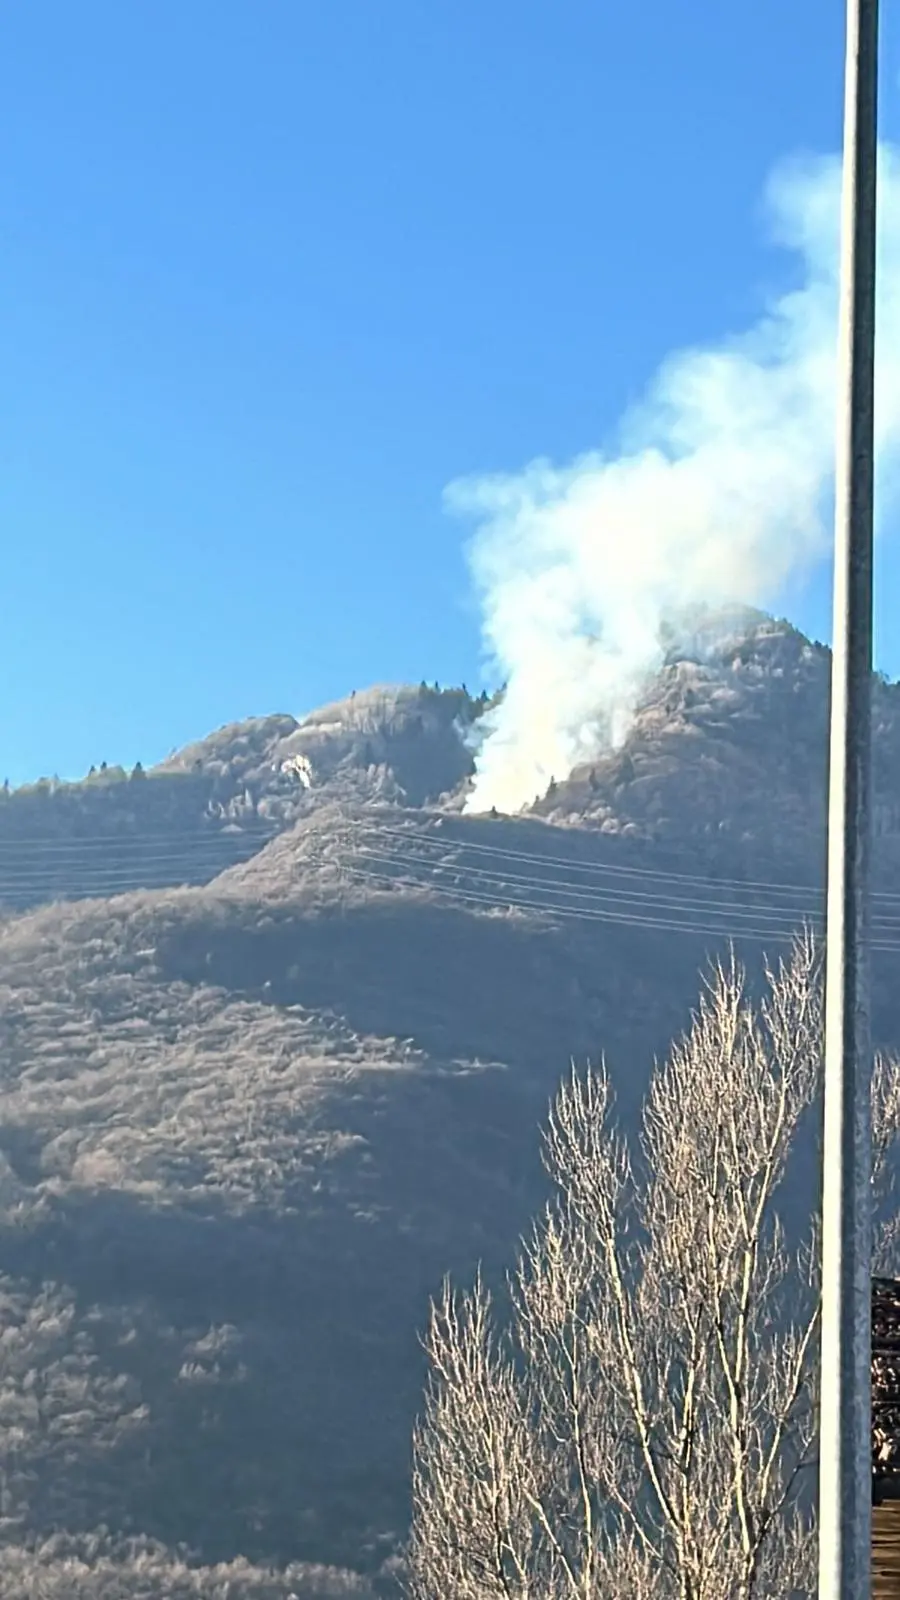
pixel 718 491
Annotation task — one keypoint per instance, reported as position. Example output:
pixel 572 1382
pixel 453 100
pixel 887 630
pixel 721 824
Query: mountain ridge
pixel 723 705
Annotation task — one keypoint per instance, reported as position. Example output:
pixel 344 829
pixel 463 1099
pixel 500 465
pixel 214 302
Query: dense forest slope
pixel 255 1109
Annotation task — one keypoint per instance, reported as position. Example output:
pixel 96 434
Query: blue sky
pixel 273 274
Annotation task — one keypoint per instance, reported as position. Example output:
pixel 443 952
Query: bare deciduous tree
pixel 643 1425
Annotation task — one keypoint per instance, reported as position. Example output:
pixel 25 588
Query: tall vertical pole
pixel 845 1511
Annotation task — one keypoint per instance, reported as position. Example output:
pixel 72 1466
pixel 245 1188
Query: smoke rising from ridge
pixel 717 493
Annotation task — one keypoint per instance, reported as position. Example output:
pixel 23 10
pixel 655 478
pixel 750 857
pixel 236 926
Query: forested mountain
pixel 257 1104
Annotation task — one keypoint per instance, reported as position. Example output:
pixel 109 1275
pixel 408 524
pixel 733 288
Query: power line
pixel 668 921
pixel 50 846
pixel 616 890
pixel 174 846
pixel 668 925
pixel 449 840
pixel 642 875
pixel 590 895
pixel 59 872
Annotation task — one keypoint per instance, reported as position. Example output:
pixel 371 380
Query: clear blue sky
pixel 272 272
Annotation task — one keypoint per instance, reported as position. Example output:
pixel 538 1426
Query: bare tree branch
pixel 644 1424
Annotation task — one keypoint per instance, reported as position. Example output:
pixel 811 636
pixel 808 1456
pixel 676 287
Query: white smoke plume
pixel 718 491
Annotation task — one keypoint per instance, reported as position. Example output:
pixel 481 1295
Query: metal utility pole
pixel 845 1469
